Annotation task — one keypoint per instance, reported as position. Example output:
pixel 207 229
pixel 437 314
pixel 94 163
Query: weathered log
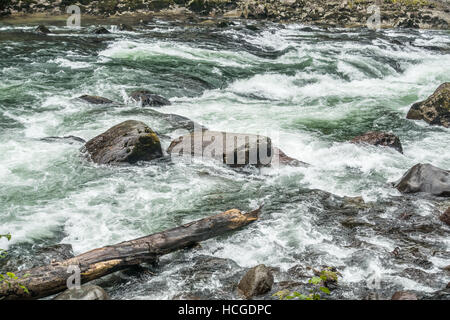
pixel 51 279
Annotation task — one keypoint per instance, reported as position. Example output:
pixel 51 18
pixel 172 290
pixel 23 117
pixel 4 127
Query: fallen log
pixel 51 279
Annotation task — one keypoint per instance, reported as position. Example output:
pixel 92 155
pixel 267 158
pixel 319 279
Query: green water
pixel 310 90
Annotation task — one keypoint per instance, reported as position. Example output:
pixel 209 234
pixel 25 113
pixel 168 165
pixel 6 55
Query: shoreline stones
pixel 95 99
pixel 425 178
pixel 256 281
pixel 129 142
pixel 380 139
pixel 435 110
pixel 148 98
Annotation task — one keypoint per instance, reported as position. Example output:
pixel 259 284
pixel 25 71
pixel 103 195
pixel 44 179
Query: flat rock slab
pixel 129 142
pixel 95 99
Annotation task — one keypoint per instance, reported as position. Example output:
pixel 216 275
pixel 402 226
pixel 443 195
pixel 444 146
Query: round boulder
pixel 148 98
pixel 380 139
pixel 129 142
pixel 256 281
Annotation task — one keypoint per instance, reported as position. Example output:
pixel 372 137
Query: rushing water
pixel 310 89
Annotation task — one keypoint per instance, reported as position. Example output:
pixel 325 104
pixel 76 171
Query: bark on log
pixel 51 279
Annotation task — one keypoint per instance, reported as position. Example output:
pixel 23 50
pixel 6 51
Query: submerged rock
pixel 425 178
pixel 436 109
pixel 279 157
pixel 125 27
pixel 404 295
pixel 95 99
pixel 445 217
pixel 233 149
pixel 148 98
pixel 256 281
pixel 42 29
pixel 100 30
pixel 129 141
pixel 85 292
pixel 69 139
pixel 380 139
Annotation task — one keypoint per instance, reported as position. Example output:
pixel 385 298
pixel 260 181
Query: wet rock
pixel 95 99
pixel 149 99
pixel 404 295
pixel 233 149
pixel 129 142
pixel 256 281
pixel 445 217
pixel 435 110
pixel 279 157
pixel 42 29
pixel 425 178
pixel 380 139
pixel 125 27
pixel 85 292
pixel 100 30
pixel 68 139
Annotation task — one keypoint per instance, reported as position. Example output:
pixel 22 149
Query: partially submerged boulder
pixel 256 281
pixel 233 149
pixel 125 27
pixel 445 217
pixel 129 142
pixel 148 98
pixel 377 138
pixel 95 99
pixel 68 139
pixel 42 29
pixel 435 110
pixel 100 30
pixel 85 292
pixel 425 178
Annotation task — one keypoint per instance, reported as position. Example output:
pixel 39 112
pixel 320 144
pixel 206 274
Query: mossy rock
pixel 130 141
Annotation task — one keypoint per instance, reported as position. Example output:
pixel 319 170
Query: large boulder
pixel 380 139
pixel 148 98
pixel 129 141
pixel 425 178
pixel 85 292
pixel 256 281
pixel 95 99
pixel 436 109
pixel 233 149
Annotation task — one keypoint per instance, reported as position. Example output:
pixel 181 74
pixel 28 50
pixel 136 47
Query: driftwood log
pixel 51 279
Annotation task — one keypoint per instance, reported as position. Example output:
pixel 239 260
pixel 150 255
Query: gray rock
pixel 425 178
pixel 129 142
pixel 100 30
pixel 148 98
pixel 125 27
pixel 42 29
pixel 436 109
pixel 85 292
pixel 256 281
pixel 68 139
pixel 445 217
pixel 233 149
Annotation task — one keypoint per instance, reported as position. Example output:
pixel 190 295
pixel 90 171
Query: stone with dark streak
pixel 377 138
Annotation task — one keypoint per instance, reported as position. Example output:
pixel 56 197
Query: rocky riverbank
pixel 424 14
